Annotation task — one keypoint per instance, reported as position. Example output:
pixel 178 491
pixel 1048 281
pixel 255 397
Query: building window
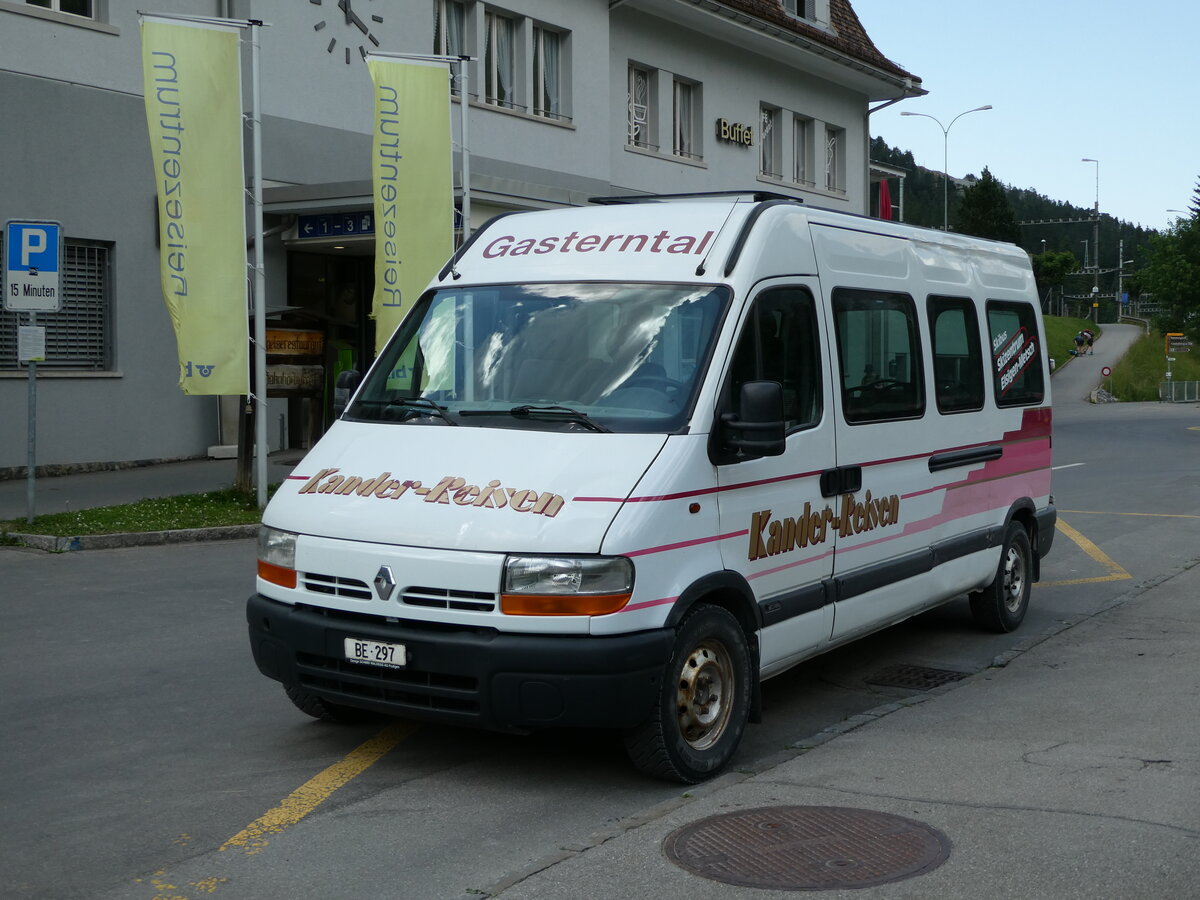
pixel 547 78
pixel 803 9
pixel 769 142
pixel 448 18
pixel 78 335
pixel 499 60
pixel 83 8
pixel 685 120
pixel 641 108
pixel 802 150
pixel 835 159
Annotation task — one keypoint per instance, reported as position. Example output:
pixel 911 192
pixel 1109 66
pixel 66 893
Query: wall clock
pixel 346 28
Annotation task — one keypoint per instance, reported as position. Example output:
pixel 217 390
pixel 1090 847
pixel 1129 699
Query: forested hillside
pixel 923 206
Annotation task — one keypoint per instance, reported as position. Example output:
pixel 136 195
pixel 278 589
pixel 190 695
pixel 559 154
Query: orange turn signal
pixel 561 604
pixel 277 574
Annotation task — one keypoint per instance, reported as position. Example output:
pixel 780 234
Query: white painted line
pixel 1067 466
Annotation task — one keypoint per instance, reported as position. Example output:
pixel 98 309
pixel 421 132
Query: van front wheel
pixel 1001 606
pixel 704 701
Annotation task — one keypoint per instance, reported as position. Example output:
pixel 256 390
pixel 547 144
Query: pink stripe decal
pixel 705 540
pixel 648 603
pixel 1035 423
pixel 791 565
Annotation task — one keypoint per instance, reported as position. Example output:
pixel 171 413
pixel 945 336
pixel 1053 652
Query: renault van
pixel 620 464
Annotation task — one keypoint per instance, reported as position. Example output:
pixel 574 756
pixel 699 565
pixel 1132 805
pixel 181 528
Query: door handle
pixel 842 480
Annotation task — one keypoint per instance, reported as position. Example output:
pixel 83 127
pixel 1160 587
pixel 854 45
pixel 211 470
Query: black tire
pixel 1001 606
pixel 322 709
pixel 704 702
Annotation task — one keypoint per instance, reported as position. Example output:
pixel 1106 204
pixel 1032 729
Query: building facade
pixel 566 101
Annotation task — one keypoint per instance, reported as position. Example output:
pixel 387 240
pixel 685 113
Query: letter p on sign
pixel 33 242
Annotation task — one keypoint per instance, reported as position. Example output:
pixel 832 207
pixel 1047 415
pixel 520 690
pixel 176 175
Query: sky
pixel 1067 79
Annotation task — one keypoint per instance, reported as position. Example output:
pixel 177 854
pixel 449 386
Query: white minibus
pixel 621 463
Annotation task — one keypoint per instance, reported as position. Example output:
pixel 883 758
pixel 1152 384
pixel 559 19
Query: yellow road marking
pixel 1096 512
pixel 317 789
pixel 1115 571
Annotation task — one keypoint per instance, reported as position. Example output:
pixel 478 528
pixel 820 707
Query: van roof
pixel 676 238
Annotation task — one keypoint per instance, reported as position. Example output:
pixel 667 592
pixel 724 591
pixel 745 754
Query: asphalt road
pixel 139 740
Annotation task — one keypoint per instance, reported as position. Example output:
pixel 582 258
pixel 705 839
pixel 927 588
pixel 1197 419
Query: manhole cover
pixel 807 848
pixel 917 678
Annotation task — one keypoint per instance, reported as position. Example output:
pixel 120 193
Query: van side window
pixel 879 355
pixel 957 361
pixel 779 342
pixel 1016 353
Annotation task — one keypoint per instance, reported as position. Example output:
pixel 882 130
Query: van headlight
pixel 277 556
pixel 566 585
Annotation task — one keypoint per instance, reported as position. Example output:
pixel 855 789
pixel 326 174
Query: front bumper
pixel 464 676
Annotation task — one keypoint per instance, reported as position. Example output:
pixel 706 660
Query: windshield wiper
pixel 528 411
pixel 417 404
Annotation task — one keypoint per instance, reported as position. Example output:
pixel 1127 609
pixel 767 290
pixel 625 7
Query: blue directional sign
pixel 336 225
pixel 32 260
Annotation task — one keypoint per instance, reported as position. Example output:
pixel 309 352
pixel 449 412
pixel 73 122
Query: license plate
pixel 375 653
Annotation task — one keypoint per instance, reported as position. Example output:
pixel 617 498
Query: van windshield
pixel 564 357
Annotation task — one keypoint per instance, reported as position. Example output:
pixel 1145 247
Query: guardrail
pixel 1179 391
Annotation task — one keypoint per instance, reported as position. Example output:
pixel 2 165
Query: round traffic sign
pixel 1106 371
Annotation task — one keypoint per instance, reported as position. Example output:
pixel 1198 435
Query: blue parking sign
pixel 32 260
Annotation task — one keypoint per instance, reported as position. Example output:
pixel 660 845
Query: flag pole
pixel 260 278
pixel 464 101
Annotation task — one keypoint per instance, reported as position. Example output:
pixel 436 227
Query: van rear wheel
pixel 704 701
pixel 1001 606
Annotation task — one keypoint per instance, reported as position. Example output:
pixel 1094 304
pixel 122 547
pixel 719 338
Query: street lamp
pixel 1095 224
pixel 946 156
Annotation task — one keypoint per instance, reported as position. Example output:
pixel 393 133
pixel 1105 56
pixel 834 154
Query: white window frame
pixel 685 119
pixel 770 151
pixel 802 130
pixel 548 72
pixel 801 9
pixel 835 159
pixel 446 12
pixel 494 67
pixel 642 109
pixel 56 6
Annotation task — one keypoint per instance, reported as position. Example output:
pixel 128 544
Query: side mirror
pixel 343 389
pixel 758 429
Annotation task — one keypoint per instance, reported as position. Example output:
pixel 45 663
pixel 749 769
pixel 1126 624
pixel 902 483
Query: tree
pixel 1172 275
pixel 986 212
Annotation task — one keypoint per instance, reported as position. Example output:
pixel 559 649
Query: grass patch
pixel 210 510
pixel 1137 376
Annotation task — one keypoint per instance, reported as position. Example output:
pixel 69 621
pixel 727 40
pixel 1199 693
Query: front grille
pixel 337 586
pixel 446 598
pixel 408 688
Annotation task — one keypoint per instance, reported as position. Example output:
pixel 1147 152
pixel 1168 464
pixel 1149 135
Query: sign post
pixel 32 262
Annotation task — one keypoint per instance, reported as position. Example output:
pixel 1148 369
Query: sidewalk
pixel 1072 772
pixel 111 488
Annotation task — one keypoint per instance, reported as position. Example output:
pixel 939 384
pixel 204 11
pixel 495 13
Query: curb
pixel 52 544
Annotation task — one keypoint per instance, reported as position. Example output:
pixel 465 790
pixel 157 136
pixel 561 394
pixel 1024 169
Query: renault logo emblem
pixel 384 582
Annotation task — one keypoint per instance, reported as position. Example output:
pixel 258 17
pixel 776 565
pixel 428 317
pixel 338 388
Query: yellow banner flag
pixel 414 191
pixel 192 77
